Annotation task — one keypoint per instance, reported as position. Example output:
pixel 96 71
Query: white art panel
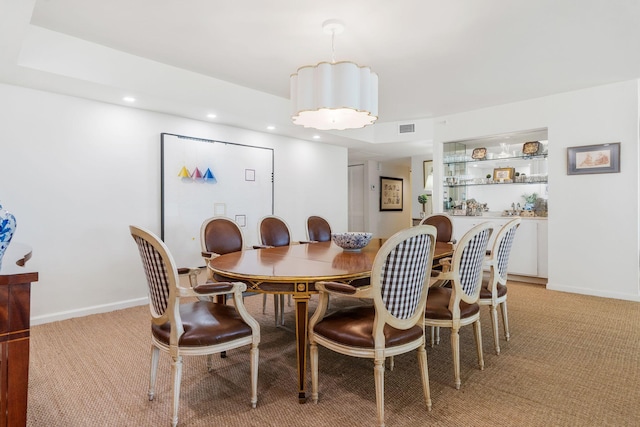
pixel 232 191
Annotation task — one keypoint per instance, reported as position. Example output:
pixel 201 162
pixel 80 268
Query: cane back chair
pixel 494 283
pixel 457 306
pixel 393 325
pixel 191 328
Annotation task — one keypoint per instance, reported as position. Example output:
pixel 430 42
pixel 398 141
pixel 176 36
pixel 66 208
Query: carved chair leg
pixel 424 375
pixel 494 328
pixel 155 354
pixel 313 358
pixel 478 332
pixel 455 353
pixel 505 320
pixel 378 372
pixel 209 362
pixel 254 375
pixel 176 371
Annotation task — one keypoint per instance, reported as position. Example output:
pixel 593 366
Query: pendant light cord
pixel 333 49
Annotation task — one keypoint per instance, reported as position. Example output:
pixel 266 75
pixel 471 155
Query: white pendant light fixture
pixel 334 95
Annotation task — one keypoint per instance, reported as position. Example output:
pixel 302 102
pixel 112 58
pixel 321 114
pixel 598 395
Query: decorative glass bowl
pixel 351 240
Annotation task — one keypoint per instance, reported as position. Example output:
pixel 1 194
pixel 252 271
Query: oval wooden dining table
pixel 294 270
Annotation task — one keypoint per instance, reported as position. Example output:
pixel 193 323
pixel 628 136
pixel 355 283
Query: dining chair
pixel 393 324
pixel 220 235
pixel 443 224
pixel 457 306
pixel 273 231
pixel 318 229
pixel 191 328
pixel 494 283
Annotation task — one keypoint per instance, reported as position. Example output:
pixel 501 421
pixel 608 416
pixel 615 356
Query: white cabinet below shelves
pixel 529 251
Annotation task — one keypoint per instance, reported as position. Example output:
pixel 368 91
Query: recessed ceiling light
pixel 211 116
pixel 316 136
pixel 271 127
pixel 129 99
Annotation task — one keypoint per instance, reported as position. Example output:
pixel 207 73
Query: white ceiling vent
pixel 409 128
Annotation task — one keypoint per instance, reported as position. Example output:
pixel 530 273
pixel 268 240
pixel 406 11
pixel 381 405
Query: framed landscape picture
pixel 588 159
pixel 390 194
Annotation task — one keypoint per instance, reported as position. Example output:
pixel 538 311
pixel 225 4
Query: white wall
pixel 76 173
pixel 385 224
pixel 593 219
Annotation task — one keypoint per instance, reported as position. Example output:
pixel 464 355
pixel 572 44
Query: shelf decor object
pixel 531 148
pixel 504 174
pixel 479 153
pixel 390 194
pixel 7 228
pixel 590 159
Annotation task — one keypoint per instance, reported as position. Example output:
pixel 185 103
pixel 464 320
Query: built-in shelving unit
pixel 501 178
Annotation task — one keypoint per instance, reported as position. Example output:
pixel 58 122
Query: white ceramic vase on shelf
pixel 7 228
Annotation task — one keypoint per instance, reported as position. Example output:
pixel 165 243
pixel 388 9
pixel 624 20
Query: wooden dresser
pixel 15 301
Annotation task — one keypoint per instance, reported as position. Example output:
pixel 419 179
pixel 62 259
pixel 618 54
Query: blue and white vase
pixel 7 228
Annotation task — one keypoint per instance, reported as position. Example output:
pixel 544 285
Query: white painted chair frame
pixel 172 314
pixel 383 317
pixel 457 295
pixel 497 262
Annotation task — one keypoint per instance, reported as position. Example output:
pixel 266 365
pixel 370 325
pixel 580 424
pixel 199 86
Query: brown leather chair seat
pixel 438 305
pixel 486 293
pixel 205 323
pixel 354 327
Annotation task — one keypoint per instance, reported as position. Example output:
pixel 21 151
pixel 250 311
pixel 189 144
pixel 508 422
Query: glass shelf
pixel 493 183
pixel 496 161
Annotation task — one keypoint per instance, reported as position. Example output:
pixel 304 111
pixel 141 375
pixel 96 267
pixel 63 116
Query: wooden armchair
pixel 192 328
pixel 393 325
pixel 457 306
pixel 494 284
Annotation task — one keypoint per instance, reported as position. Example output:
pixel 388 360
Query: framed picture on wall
pixel 587 159
pixel 427 172
pixel 390 194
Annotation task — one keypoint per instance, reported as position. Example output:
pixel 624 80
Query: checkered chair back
pixel 502 247
pixel 159 270
pixel 401 273
pixel 468 261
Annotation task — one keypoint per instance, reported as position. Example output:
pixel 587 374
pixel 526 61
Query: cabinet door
pixel 524 252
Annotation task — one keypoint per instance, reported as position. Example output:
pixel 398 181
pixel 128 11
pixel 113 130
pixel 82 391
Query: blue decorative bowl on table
pixel 7 228
pixel 351 240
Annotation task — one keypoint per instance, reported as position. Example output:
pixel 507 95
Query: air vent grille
pixel 408 128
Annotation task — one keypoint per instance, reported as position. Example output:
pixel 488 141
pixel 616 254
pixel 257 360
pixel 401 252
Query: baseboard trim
pixel 595 293
pixel 527 279
pixel 86 311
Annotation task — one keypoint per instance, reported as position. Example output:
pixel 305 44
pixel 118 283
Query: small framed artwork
pixel 241 220
pixel 390 194
pixel 588 159
pixel 249 174
pixel 503 174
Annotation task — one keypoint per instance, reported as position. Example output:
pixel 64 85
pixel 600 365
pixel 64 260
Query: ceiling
pixel 433 58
